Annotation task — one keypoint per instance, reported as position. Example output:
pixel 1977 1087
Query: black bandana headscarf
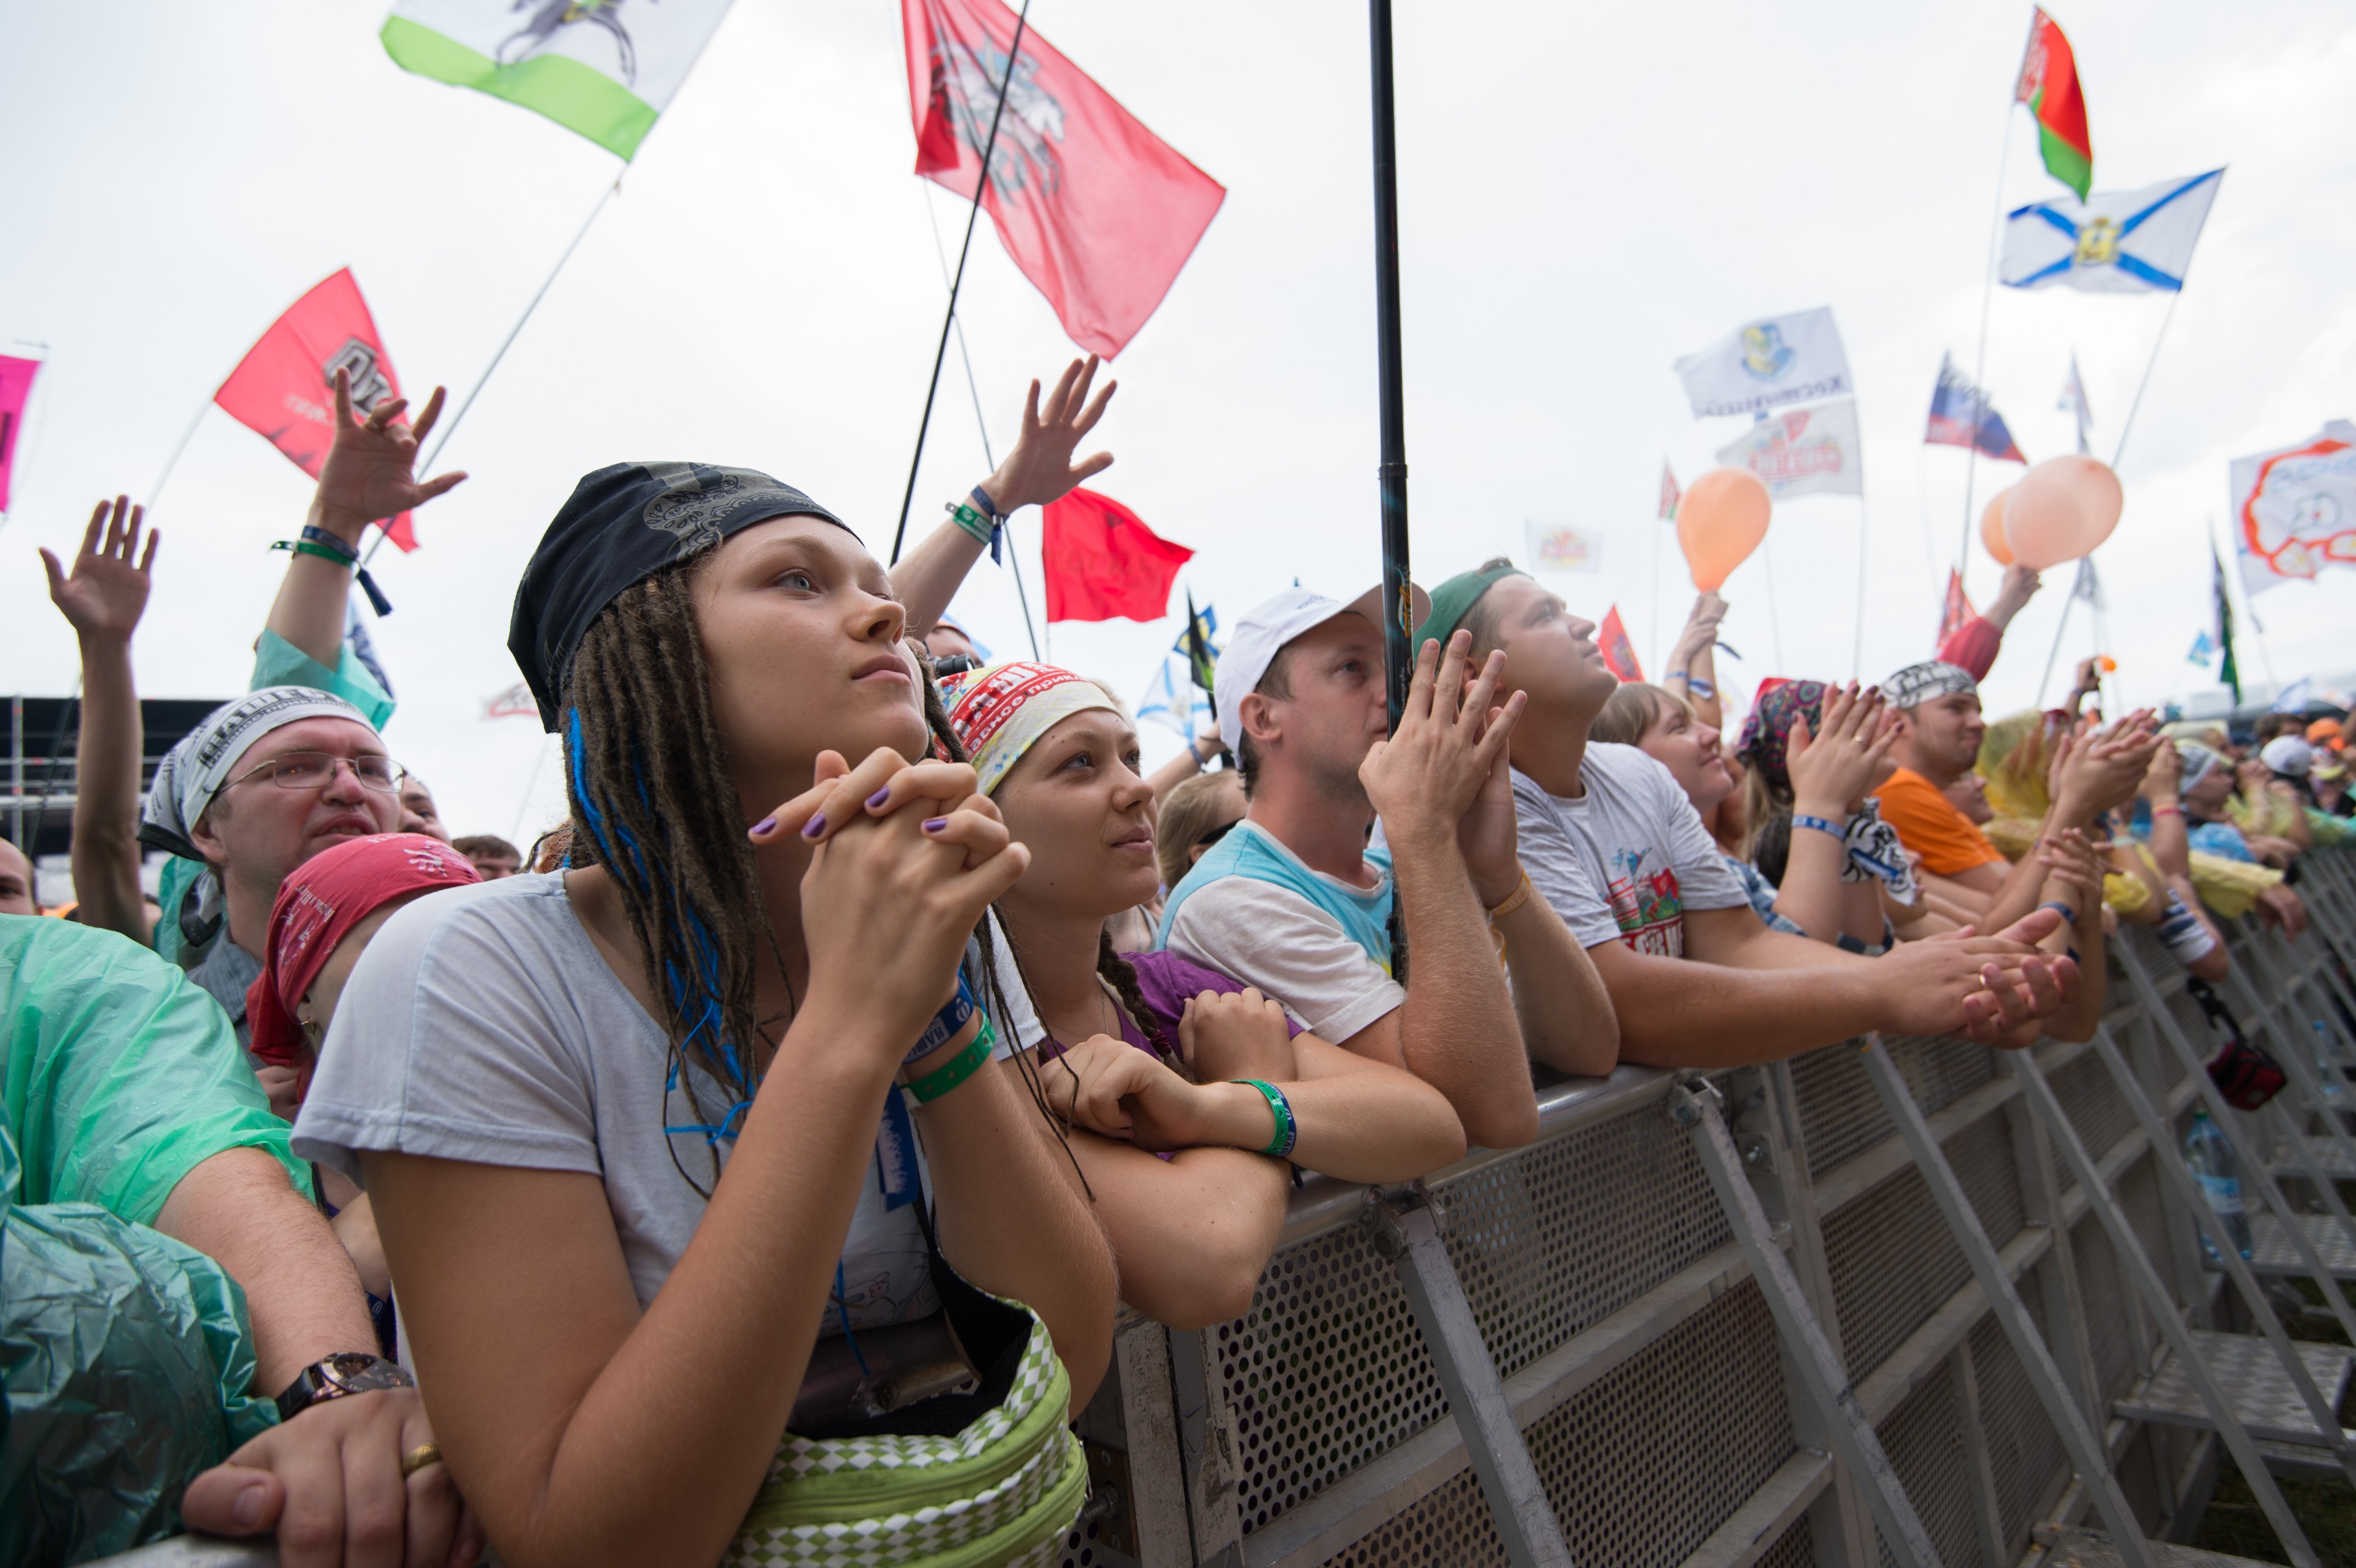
pixel 621 525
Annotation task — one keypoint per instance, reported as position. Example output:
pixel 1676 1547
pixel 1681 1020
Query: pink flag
pixel 284 388
pixel 15 391
pixel 1097 211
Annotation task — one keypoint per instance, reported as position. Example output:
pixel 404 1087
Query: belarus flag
pixel 2049 85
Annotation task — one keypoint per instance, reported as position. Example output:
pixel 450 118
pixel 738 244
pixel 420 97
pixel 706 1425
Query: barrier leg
pixel 1409 1237
pixel 2137 1267
pixel 2170 1162
pixel 2081 1442
pixel 2254 1171
pixel 1694 1105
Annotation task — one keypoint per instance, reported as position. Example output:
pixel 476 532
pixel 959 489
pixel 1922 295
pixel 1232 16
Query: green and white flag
pixel 606 68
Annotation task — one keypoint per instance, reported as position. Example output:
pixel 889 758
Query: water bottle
pixel 2211 1158
pixel 2327 1063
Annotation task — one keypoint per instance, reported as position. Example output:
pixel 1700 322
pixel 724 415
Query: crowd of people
pixel 758 1162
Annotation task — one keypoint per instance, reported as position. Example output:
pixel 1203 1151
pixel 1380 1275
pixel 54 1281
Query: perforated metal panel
pixel 1644 1464
pixel 1840 1115
pixel 2093 1104
pixel 2139 1194
pixel 1892 1259
pixel 2024 1451
pixel 2102 1290
pixel 1449 1526
pixel 1323 1373
pixel 1924 1439
pixel 1551 1244
pixel 1795 1549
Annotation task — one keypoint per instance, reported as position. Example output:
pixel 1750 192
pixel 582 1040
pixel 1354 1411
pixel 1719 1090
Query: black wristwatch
pixel 346 1372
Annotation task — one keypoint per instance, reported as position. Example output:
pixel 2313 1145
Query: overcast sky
pixel 1586 193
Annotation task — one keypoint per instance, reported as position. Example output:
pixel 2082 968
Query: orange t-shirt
pixel 1928 823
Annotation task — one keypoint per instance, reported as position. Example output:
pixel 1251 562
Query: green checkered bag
pixel 999 1492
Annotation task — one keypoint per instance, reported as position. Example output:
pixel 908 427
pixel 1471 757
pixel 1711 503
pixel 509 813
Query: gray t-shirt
pixel 1625 860
pixel 482 1025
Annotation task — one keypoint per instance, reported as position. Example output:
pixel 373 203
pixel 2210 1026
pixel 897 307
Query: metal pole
pixel 988 151
pixel 2081 1441
pixel 1979 360
pixel 1390 473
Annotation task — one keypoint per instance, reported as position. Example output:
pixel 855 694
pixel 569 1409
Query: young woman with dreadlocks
pixel 1146 1053
pixel 689 1277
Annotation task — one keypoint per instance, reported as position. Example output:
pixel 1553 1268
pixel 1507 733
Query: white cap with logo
pixel 1264 630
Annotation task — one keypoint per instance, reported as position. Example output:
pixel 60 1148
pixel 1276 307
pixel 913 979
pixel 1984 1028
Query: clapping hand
pixel 2069 858
pixel 107 591
pixel 2099 772
pixel 1446 758
pixel 370 470
pixel 1040 469
pixel 1831 772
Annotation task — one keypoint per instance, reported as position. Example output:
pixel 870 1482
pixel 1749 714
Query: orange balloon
pixel 1992 528
pixel 1720 521
pixel 2061 510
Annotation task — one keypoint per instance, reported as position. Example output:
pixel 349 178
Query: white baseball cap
pixel 1264 631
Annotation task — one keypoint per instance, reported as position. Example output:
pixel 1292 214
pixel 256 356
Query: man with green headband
pixel 1611 842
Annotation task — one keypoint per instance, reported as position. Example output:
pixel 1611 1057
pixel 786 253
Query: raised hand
pixel 107 591
pixel 1450 738
pixel 1831 772
pixel 2069 859
pixel 2163 776
pixel 1700 630
pixel 370 469
pixel 1040 469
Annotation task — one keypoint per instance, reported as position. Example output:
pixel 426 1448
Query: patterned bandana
pixel 1765 732
pixel 1919 683
pixel 1000 710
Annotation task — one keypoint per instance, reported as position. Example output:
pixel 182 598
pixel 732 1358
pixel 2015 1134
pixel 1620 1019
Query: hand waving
pixel 369 472
pixel 106 594
pixel 1040 469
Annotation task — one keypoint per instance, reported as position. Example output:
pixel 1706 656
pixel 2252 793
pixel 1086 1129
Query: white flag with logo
pixel 2295 508
pixel 1554 548
pixel 2114 242
pixel 1806 452
pixel 1764 364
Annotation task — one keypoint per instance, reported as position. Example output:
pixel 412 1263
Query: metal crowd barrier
pixel 1902 1300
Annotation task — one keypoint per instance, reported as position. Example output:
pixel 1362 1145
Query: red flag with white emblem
pixel 1619 653
pixel 284 388
pixel 1097 211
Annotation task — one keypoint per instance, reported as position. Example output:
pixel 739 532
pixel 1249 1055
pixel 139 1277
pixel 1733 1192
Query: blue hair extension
pixel 842 1312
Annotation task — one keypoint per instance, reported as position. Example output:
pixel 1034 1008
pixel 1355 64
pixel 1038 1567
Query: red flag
pixel 1619 653
pixel 2049 85
pixel 1102 561
pixel 1957 609
pixel 15 391
pixel 1670 494
pixel 284 388
pixel 1097 211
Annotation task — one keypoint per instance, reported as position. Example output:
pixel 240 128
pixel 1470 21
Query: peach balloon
pixel 1992 528
pixel 1720 521
pixel 2061 510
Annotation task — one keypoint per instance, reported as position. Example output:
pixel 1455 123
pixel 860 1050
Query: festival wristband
pixel 1288 1131
pixel 1514 901
pixel 1821 824
pixel 2167 811
pixel 1700 687
pixel 971 521
pixel 960 1068
pixel 989 508
pixel 2069 915
pixel 945 1025
pixel 318 542
pixel 335 542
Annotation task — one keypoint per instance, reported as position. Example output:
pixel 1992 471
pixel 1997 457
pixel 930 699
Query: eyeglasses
pixel 316 770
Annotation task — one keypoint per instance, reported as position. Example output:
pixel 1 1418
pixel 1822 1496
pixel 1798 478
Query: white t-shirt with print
pixel 1627 858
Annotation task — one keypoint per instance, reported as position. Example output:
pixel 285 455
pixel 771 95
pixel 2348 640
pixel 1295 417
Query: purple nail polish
pixel 815 825
pixel 935 824
pixel 767 825
pixel 879 798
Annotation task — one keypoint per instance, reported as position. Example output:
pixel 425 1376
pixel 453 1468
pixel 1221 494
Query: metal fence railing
pixel 1903 1300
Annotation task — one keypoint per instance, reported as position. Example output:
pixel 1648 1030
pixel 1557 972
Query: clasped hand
pixel 1110 1087
pixel 1443 774
pixel 905 859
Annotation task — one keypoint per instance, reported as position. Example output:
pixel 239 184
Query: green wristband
pixel 971 521
pixel 304 547
pixel 958 1068
pixel 1288 1131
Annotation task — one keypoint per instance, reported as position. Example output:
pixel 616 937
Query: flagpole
pixel 173 462
pixel 1979 359
pixel 1390 473
pixel 425 466
pixel 2141 387
pixel 2046 679
pixel 1014 555
pixel 988 151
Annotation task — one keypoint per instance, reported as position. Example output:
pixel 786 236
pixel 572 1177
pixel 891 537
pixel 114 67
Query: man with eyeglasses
pixel 261 787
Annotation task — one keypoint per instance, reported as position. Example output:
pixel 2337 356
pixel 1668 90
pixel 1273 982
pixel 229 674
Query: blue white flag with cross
pixel 2118 242
pixel 1175 702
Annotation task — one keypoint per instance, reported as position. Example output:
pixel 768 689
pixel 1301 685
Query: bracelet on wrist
pixel 958 1068
pixel 1821 824
pixel 2167 811
pixel 1288 1131
pixel 945 1025
pixel 2069 915
pixel 1514 901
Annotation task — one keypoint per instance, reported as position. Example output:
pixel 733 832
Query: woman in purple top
pixel 1147 1054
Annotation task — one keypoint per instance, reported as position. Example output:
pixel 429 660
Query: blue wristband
pixel 945 1025
pixel 2069 915
pixel 1821 824
pixel 1288 1131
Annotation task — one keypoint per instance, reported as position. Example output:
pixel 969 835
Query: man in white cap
pixel 1294 901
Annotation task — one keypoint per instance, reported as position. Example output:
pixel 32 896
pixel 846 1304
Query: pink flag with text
pixel 15 391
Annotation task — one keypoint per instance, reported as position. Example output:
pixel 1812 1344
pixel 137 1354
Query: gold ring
pixel 417 1459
